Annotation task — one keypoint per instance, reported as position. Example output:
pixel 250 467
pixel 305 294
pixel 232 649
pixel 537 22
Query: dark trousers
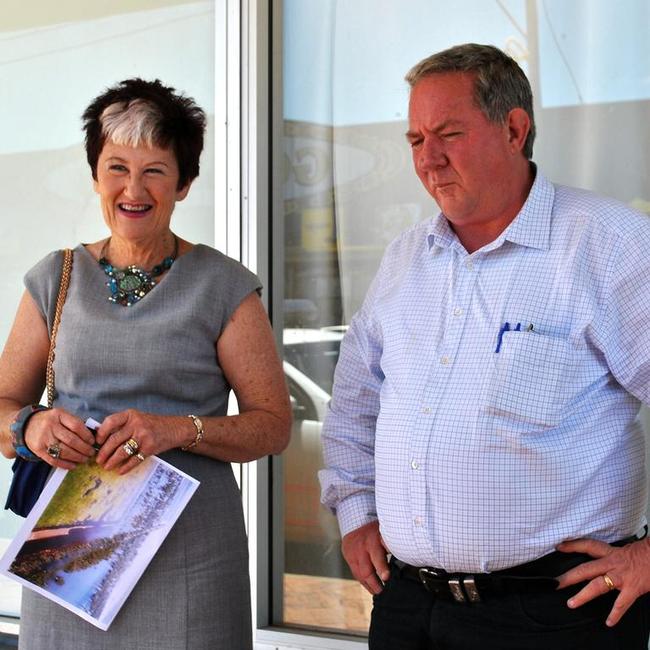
pixel 406 616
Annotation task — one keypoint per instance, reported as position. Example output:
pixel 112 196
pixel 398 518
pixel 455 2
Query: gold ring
pixel 54 450
pixel 140 456
pixel 133 444
pixel 609 582
pixel 128 450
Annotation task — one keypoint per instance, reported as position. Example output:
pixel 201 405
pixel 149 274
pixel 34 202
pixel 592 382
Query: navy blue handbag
pixel 29 477
pixel 27 483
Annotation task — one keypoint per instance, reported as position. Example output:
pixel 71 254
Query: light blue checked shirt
pixel 474 460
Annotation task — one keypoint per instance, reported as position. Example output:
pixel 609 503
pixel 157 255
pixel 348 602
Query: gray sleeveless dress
pixel 157 356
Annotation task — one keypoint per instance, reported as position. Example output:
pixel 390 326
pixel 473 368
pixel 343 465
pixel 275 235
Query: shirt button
pixel 458 311
pixel 445 360
pixel 417 521
pixel 469 264
pixel 415 464
pixel 425 409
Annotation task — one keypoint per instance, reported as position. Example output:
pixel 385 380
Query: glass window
pixel 52 63
pixel 348 188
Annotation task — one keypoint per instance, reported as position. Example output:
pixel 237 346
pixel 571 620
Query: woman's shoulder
pixel 43 278
pixel 211 261
pixel 46 271
pixel 219 281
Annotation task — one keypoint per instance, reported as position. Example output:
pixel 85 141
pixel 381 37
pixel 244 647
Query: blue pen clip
pixel 506 328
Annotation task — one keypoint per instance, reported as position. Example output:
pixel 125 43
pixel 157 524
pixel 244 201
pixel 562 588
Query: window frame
pixel 262 226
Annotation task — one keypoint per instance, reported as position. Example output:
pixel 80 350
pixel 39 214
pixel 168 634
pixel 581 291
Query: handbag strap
pixel 60 300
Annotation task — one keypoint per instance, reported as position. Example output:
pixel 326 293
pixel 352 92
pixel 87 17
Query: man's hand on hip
pixel 364 550
pixel 626 569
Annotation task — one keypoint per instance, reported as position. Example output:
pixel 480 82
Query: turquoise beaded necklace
pixel 129 285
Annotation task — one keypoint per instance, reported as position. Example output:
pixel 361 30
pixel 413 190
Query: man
pixel 485 402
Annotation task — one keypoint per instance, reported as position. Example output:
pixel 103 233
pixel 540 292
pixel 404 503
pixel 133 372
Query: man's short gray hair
pixel 133 125
pixel 499 83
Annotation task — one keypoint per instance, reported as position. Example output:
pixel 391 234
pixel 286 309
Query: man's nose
pixel 431 154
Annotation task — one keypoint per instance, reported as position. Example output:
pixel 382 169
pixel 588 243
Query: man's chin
pixel 452 208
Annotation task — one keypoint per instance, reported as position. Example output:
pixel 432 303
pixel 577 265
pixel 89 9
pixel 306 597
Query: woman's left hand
pixel 144 434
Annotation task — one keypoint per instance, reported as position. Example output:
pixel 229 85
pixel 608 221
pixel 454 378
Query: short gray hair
pixel 135 112
pixel 133 125
pixel 499 83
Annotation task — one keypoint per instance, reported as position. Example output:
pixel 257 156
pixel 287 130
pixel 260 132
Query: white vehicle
pixel 311 532
pixel 310 356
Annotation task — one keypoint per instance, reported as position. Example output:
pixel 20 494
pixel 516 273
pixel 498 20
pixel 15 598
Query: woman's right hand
pixel 58 428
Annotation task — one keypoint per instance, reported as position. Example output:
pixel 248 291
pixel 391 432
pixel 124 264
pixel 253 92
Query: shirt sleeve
pixel 348 480
pixel 624 330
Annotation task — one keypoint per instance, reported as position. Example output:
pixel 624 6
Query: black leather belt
pixel 537 576
pixel 473 587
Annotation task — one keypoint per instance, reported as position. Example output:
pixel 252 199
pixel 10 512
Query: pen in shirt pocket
pixel 506 328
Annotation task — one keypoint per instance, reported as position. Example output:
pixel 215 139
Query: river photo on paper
pixel 83 546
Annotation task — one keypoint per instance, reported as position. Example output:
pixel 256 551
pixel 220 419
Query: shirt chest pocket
pixel 530 383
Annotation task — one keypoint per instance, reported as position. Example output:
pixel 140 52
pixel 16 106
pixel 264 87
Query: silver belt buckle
pixel 426 571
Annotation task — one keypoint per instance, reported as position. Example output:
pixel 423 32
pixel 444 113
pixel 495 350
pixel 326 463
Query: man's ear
pixel 518 123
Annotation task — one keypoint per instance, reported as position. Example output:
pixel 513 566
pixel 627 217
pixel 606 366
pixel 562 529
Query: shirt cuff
pixel 355 511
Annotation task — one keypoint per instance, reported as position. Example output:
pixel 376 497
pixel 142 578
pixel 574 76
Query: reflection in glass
pixel 348 189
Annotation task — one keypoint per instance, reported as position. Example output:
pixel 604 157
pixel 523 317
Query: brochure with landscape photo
pixel 92 534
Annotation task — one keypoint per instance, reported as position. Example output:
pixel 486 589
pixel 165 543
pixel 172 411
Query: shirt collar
pixel 531 227
pixel 441 234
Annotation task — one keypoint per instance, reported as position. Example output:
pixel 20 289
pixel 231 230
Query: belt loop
pixel 470 589
pixel 456 590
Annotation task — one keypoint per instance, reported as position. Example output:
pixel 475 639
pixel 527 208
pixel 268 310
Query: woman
pixel 154 332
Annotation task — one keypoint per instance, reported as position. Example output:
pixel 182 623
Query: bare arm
pixel 247 355
pixel 22 380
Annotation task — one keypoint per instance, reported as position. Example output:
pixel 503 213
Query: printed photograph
pixel 93 532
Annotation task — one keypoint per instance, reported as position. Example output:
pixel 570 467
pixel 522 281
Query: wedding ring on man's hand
pixel 609 582
pixel 140 456
pixel 54 450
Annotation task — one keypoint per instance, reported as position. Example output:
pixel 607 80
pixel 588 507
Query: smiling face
pixel 138 190
pixel 472 167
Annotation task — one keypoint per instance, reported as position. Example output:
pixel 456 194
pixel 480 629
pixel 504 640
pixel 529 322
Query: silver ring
pixel 128 450
pixel 54 450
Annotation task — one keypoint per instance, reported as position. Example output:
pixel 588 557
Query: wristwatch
pixel 17 429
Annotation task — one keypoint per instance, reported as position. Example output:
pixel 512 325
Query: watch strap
pixel 18 427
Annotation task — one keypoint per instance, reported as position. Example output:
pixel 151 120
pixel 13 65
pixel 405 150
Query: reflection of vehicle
pixel 311 532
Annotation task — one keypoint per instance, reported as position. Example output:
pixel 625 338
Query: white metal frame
pixel 249 34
